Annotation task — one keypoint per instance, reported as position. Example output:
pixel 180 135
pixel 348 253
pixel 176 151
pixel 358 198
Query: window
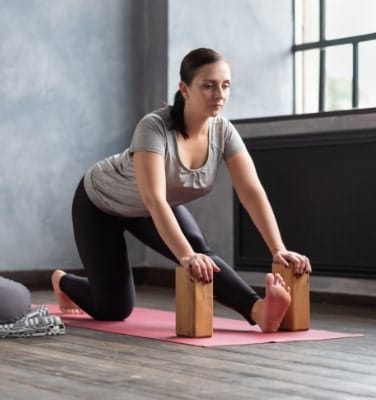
pixel 334 55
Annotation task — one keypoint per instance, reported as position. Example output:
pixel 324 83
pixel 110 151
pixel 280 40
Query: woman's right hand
pixel 200 266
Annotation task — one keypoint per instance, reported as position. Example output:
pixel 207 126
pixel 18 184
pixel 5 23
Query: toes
pixel 280 281
pixel 269 279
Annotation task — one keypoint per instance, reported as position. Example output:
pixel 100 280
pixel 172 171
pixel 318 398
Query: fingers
pixel 200 266
pixel 306 265
pixel 300 263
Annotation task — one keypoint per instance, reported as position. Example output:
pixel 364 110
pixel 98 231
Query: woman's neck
pixel 196 126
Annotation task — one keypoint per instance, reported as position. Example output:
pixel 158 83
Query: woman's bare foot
pixel 269 312
pixel 66 305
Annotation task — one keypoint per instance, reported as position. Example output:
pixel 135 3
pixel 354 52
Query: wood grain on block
pixel 297 317
pixel 194 306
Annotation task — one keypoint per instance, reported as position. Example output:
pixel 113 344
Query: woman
pixel 173 158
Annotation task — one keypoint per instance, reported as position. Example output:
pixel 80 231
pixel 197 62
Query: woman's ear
pixel 183 87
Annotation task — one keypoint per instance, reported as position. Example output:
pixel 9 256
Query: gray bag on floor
pixel 15 300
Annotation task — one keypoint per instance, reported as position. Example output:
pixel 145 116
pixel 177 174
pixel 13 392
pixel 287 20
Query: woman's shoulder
pixel 159 116
pixel 152 132
pixel 222 124
pixel 225 136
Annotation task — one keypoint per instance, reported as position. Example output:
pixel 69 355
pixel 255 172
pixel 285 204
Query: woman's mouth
pixel 217 105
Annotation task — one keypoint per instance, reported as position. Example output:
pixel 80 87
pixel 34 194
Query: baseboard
pixel 34 280
pixel 41 279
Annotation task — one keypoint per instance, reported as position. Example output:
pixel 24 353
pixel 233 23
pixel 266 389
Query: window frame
pixel 322 44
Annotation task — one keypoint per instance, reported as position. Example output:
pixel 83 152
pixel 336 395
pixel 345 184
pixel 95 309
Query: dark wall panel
pixel 323 190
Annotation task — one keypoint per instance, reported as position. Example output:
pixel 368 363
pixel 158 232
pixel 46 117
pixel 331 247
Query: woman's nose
pixel 219 93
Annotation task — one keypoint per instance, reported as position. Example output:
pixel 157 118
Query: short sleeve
pixel 149 135
pixel 233 141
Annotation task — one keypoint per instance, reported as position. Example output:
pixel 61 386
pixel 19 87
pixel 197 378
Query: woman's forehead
pixel 219 70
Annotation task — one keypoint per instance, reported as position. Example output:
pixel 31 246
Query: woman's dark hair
pixel 189 65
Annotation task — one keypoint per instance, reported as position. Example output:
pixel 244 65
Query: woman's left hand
pixel 300 263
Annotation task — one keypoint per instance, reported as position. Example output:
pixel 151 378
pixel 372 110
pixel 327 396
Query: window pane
pixel 349 18
pixel 367 76
pixel 338 78
pixel 306 21
pixel 307 81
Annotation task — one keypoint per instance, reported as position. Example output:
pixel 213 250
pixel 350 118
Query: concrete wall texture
pixel 76 75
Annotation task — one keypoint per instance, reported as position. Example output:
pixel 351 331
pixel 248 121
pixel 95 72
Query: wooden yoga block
pixel 194 306
pixel 297 317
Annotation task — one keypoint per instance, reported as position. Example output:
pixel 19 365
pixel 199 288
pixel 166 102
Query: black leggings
pixel 108 292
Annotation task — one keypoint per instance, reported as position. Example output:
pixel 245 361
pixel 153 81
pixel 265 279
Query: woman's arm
pixel 151 182
pixel 252 196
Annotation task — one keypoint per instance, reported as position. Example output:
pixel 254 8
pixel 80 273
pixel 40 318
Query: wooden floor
pixel 86 364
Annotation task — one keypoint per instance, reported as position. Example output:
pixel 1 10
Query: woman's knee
pixel 113 312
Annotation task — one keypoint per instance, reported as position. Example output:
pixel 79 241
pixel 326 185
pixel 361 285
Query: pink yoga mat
pixel 160 325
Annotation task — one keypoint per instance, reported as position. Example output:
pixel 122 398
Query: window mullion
pixel 355 80
pixel 322 81
pixel 322 57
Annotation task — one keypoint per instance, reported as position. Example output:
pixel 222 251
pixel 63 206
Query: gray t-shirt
pixel 111 183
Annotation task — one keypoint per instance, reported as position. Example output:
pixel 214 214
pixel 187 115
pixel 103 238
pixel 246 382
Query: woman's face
pixel 209 90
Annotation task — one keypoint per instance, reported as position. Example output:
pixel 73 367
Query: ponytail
pixel 177 115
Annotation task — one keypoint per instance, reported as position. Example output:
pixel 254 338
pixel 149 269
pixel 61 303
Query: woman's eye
pixel 213 86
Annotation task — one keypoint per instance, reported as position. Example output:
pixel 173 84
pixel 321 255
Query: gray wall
pixel 255 36
pixel 73 84
pixel 75 75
